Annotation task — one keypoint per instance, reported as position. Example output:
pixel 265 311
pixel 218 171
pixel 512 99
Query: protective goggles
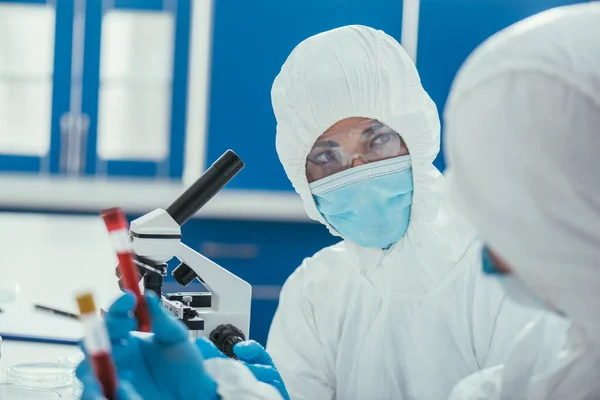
pixel 346 145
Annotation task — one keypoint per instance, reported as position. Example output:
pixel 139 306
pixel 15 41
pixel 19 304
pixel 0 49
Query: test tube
pixel 97 344
pixel 117 226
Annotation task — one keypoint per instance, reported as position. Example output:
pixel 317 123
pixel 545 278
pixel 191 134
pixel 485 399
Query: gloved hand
pixel 162 367
pixel 91 388
pixel 253 356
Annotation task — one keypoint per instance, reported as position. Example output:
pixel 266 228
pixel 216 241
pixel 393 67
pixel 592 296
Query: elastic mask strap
pixel 360 173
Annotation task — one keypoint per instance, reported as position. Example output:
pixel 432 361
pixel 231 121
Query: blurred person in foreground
pixel 522 145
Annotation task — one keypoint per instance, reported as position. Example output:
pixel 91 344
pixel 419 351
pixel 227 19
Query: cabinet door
pixel 449 30
pixel 135 84
pixel 35 42
pixel 251 40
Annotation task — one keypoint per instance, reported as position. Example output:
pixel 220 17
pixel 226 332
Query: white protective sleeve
pixel 499 326
pixel 236 382
pixel 498 321
pixel 522 142
pixel 295 347
pixel 534 356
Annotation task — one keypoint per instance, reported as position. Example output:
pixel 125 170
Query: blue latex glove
pixel 254 356
pixel 162 367
pixel 91 388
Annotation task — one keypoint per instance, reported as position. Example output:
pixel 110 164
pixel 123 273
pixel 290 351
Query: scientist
pixel 399 309
pixel 523 142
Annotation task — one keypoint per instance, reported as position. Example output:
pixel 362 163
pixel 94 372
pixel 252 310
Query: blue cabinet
pixel 33 81
pixel 94 87
pixel 135 86
pixel 251 40
pixel 97 99
pixel 450 30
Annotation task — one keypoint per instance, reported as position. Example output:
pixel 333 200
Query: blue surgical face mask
pixel 369 204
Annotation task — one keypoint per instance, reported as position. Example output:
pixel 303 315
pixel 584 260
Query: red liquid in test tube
pixel 118 228
pixel 97 345
pixel 104 367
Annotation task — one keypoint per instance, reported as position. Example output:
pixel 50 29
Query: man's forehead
pixel 349 125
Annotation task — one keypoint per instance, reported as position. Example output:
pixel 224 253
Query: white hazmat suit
pixel 523 145
pixel 364 323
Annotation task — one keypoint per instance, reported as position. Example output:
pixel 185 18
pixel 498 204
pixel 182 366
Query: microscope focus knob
pixel 225 337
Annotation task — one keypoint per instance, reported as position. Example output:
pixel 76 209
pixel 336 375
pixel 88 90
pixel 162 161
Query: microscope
pixel 223 313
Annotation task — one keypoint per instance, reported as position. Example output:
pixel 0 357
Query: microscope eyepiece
pixel 196 196
pixel 206 187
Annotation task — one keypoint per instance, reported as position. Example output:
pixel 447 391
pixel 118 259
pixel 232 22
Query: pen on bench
pixel 55 311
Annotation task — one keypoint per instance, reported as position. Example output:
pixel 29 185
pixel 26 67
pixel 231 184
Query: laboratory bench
pixel 16 352
pixel 52 256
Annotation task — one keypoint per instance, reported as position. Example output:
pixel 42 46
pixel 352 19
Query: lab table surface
pixel 51 258
pixel 25 352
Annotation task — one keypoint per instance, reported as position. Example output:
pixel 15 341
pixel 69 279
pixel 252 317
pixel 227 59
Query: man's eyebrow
pixel 371 130
pixel 326 143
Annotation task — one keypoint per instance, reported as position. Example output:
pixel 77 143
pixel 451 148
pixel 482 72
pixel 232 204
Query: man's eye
pixel 324 157
pixel 382 138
